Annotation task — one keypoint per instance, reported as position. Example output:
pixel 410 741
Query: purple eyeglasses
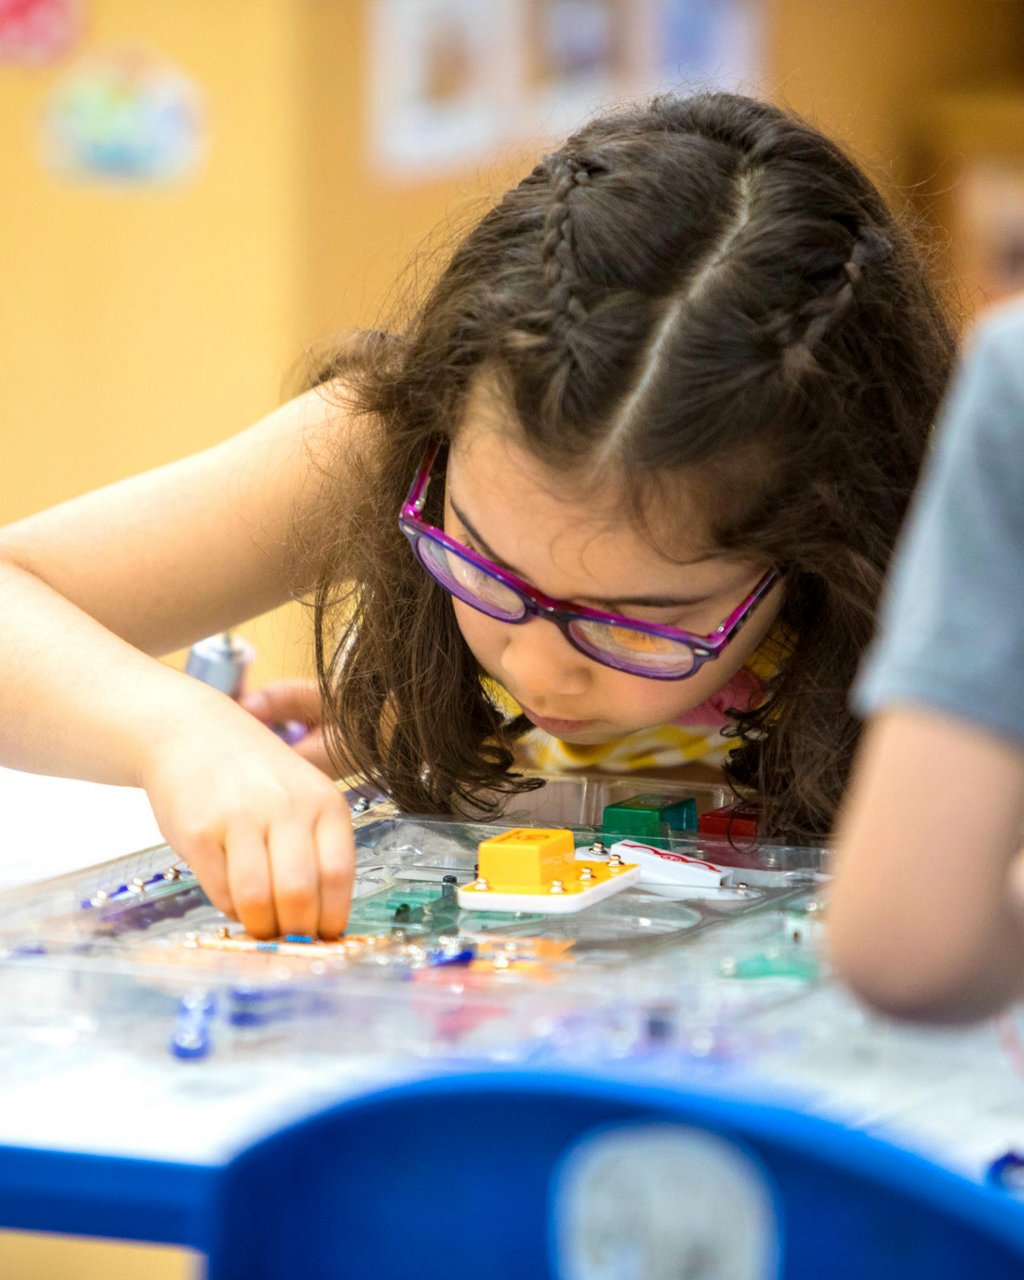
pixel 625 644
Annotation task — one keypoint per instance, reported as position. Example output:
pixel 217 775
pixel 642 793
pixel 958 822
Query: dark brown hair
pixel 701 282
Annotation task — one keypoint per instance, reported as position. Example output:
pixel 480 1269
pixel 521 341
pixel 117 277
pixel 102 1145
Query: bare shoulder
pixel 199 544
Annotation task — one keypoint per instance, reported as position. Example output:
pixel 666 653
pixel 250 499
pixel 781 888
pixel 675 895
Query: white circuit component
pixel 660 867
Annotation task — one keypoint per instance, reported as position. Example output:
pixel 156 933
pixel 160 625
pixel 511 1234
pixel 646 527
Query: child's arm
pixel 91 588
pixel 291 701
pixel 925 919
pixel 922 920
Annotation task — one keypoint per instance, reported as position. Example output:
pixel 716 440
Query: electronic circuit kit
pixel 597 916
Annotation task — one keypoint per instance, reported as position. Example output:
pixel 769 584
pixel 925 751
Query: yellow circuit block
pixel 527 859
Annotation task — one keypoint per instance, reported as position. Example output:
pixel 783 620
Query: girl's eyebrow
pixel 614 606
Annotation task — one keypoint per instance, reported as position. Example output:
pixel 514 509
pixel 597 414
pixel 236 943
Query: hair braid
pixel 558 258
pixel 820 313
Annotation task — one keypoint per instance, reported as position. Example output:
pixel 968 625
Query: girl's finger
pixel 294 876
pixel 313 748
pixel 285 700
pixel 205 857
pixel 249 881
pixel 335 849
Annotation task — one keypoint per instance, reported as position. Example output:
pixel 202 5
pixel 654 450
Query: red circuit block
pixel 734 820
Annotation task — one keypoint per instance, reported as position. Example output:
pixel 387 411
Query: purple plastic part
pixel 291 731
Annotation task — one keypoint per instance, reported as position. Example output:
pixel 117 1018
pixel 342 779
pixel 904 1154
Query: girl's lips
pixel 556 727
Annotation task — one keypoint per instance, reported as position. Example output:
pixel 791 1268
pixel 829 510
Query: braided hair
pixel 700 287
pixel 556 251
pixel 817 315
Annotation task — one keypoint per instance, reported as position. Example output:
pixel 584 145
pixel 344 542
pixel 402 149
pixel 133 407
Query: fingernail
pixel 255 703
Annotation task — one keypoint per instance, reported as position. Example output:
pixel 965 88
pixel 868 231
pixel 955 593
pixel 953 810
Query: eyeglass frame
pixel 704 648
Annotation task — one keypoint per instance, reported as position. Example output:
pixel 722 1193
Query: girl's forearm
pixel 77 700
pixel 922 919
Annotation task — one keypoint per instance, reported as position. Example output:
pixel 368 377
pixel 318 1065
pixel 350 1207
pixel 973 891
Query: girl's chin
pixel 569 730
pixel 593 738
pixel 587 734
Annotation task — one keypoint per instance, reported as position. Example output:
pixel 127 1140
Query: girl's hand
pixel 285 700
pixel 267 834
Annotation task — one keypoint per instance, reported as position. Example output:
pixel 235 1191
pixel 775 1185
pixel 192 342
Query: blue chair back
pixel 524 1174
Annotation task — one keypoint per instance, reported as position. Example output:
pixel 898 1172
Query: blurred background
pixel 192 192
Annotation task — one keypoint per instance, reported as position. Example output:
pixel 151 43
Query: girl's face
pixel 506 505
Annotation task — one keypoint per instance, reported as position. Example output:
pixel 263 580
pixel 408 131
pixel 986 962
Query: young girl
pixel 638 461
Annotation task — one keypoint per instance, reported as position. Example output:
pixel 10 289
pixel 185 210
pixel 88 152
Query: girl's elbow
pixel 898 995
pixel 872 975
pixel 908 984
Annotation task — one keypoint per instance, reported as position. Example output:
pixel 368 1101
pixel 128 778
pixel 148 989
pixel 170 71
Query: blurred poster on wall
pixel 38 31
pixel 124 116
pixel 578 55
pixel 453 80
pixel 437 72
pixel 711 44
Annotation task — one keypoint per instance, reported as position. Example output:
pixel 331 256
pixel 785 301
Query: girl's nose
pixel 540 663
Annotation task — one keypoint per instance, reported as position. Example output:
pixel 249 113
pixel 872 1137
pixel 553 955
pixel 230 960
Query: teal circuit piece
pixel 773 964
pixel 424 908
pixel 418 906
pixel 650 817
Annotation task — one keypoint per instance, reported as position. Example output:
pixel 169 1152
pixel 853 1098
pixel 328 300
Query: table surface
pixel 54 825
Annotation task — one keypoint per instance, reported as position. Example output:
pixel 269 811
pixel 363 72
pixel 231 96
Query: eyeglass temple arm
pixel 743 612
pixel 417 494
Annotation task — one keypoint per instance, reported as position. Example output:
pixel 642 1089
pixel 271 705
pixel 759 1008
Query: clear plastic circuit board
pixel 133 948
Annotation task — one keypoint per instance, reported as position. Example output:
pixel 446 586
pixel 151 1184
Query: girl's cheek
pixel 481 634
pixel 660 701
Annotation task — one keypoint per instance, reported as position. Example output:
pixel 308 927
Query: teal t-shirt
pixel 951 633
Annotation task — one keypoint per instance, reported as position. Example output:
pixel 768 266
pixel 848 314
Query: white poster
pixel 442 75
pixel 452 81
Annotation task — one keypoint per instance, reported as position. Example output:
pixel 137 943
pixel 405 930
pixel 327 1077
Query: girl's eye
pixel 467 541
pixel 642 641
pixel 467 574
pixel 626 640
pixel 682 621
pixel 479 583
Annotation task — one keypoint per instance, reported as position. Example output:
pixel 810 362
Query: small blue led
pixel 465 956
pixel 192 1039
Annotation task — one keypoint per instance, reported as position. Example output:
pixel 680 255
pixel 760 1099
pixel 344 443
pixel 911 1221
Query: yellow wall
pixel 27 1256
pixel 861 69
pixel 141 324
pixel 879 75
pixel 144 322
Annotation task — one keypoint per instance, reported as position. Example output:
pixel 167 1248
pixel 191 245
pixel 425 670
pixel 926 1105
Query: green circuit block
pixel 409 905
pixel 650 817
pixel 773 964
